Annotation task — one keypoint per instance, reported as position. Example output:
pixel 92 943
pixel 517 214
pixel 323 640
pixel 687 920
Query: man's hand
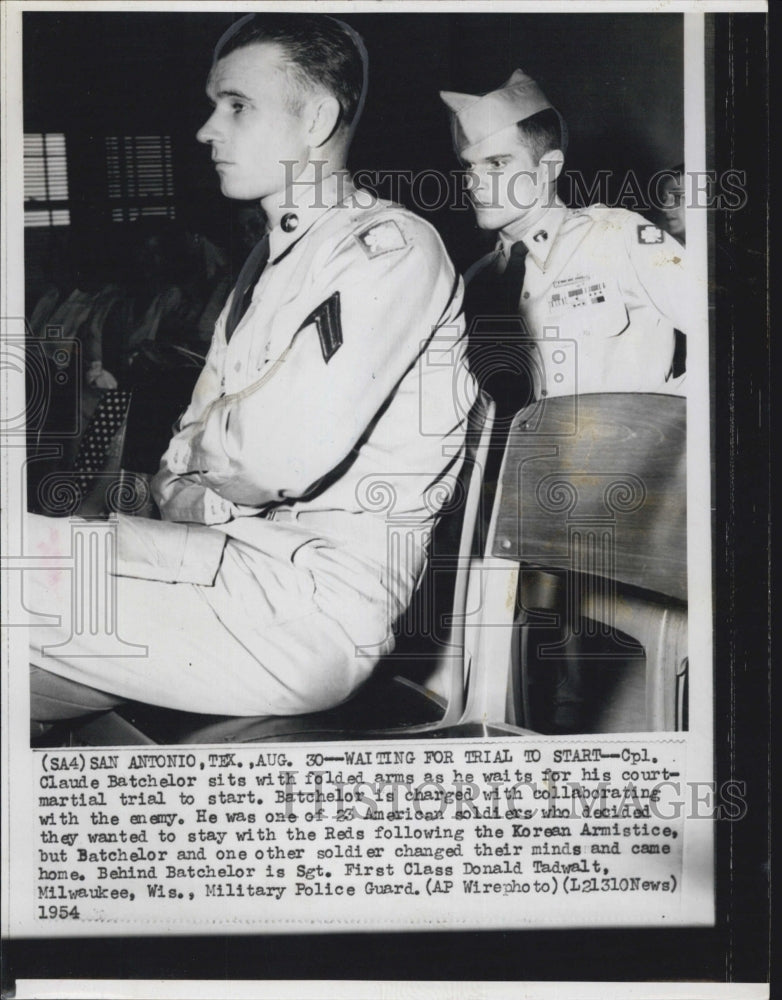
pixel 100 377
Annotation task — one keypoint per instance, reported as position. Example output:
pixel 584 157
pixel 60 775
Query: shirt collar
pixel 540 238
pixel 304 205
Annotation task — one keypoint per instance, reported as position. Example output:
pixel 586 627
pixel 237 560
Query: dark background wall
pixel 617 79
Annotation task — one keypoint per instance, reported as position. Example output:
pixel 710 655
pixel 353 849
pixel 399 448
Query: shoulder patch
pixel 383 237
pixel 649 234
pixel 328 322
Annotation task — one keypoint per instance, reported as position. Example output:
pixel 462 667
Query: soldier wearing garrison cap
pixel 268 587
pixel 595 292
pixel 570 300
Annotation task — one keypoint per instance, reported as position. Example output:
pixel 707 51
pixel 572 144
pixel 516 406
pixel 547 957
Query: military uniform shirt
pixel 603 291
pixel 337 406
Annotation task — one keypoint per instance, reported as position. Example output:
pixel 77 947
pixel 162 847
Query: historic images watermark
pixel 433 190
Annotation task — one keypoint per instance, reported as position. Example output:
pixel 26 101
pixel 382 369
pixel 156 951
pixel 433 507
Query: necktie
pixel 513 278
pixel 246 282
pixel 499 350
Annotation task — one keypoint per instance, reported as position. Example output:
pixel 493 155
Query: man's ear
pixel 325 114
pixel 551 164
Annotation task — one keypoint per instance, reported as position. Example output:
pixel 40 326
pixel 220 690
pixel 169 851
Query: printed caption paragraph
pixel 459 834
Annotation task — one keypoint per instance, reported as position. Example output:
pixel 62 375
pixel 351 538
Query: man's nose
pixel 481 183
pixel 208 131
pixel 472 180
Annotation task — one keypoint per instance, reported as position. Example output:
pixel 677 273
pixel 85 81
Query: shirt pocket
pixel 590 308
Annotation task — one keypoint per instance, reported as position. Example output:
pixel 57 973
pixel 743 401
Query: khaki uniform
pixel 324 433
pixel 603 291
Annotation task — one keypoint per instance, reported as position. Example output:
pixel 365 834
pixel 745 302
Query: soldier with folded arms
pixel 268 587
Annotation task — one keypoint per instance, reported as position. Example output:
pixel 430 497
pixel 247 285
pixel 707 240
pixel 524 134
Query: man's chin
pixel 238 192
pixel 490 218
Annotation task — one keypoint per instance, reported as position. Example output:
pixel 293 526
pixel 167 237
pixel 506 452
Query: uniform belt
pixel 345 524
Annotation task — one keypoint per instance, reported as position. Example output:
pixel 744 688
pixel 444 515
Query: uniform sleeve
pixel 184 498
pixel 660 265
pixel 371 310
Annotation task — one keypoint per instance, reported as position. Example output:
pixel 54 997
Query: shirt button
pixel 238 366
pixel 525 295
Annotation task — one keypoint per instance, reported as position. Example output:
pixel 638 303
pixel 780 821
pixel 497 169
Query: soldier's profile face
pixel 253 129
pixel 506 184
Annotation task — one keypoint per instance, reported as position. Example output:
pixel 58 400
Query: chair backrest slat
pixel 479 431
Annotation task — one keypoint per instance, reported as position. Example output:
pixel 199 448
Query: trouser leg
pixel 253 644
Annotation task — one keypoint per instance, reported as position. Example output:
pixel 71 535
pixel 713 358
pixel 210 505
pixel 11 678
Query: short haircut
pixel 321 51
pixel 541 133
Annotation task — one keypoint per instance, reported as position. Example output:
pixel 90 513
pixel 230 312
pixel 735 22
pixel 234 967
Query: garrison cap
pixel 475 117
